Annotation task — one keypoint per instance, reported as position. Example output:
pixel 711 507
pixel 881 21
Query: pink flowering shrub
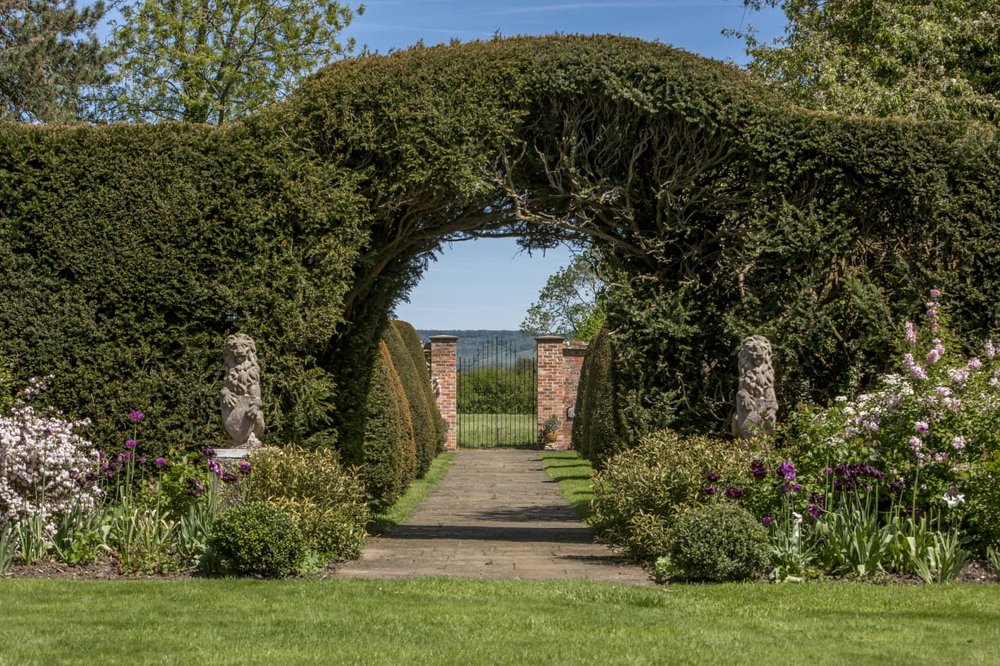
pixel 919 433
pixel 46 468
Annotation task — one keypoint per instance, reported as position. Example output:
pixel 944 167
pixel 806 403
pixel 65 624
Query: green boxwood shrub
pixel 719 541
pixel 422 414
pixel 387 454
pixel 599 432
pixel 326 501
pixel 641 492
pixel 257 539
pixel 416 348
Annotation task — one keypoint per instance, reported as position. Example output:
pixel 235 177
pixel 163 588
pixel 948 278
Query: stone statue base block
pixel 231 454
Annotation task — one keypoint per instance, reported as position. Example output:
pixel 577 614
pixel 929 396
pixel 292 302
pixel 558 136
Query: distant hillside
pixel 470 343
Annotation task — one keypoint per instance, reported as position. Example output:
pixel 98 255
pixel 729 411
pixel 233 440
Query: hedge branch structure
pixel 128 252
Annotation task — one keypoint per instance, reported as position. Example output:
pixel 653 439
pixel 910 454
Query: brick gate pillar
pixel 573 354
pixel 551 381
pixel 444 371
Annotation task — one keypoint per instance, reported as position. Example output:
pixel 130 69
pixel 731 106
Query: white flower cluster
pixel 46 469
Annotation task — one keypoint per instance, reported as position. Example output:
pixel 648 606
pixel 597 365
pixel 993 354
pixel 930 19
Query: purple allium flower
pixel 136 416
pixel 214 467
pixel 827 471
pixel 711 490
pixel 209 452
pixel 766 520
pixel 245 466
pixel 195 489
pixel 161 462
pixel 229 477
pixel 713 477
pixel 786 470
pixel 758 469
pixel 143 459
pixel 814 511
pixel 734 493
pixel 897 485
pixel 129 443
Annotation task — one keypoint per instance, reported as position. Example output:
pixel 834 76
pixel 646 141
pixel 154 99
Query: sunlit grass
pixel 574 476
pixel 484 431
pixel 439 621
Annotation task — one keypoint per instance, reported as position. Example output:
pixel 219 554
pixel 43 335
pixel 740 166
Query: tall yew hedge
pixel 128 252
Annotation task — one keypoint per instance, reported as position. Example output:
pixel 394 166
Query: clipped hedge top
pixel 128 252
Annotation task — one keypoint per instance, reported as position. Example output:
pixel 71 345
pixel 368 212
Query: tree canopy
pixel 932 59
pixel 210 61
pixel 568 304
pixel 49 54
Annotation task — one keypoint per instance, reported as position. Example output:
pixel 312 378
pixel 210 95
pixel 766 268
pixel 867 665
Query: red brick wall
pixel 444 369
pixel 573 354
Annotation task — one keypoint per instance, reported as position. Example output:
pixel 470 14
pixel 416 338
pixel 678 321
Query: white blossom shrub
pixel 46 468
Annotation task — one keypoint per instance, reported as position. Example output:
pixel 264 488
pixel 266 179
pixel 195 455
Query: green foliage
pixel 210 61
pixel 257 539
pixel 308 221
pixel 6 387
pixel 234 237
pixel 931 59
pixel 387 454
pixel 326 502
pixel 8 548
pixel 642 492
pixel 49 54
pixel 983 497
pixel 568 304
pixel 719 541
pixel 416 348
pixel 498 390
pixel 417 386
pixel 597 429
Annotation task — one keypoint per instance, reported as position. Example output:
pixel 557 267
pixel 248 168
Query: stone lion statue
pixel 756 402
pixel 240 395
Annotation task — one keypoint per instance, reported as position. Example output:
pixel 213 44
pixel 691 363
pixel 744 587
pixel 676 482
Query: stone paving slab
pixel 496 514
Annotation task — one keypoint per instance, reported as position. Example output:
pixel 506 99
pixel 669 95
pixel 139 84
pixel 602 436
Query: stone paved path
pixel 495 515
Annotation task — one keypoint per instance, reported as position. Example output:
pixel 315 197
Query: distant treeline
pixel 472 344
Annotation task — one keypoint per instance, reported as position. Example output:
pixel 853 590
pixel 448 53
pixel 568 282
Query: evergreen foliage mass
pixel 423 375
pixel 128 252
pixel 597 428
pixel 422 414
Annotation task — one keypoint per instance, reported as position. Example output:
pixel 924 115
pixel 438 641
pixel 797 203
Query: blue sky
pixel 488 284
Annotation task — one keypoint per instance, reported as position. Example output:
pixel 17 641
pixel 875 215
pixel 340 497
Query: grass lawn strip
pixel 574 476
pixel 444 621
pixel 414 495
pixel 488 431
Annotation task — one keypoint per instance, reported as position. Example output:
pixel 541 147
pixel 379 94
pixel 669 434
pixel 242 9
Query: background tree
pixel 210 61
pixel 48 55
pixel 569 303
pixel 934 59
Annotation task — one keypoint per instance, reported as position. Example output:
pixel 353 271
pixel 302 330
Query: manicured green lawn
pixel 573 474
pixel 485 431
pixel 503 622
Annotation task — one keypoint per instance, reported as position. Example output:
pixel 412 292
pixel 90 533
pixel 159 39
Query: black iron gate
pixel 497 397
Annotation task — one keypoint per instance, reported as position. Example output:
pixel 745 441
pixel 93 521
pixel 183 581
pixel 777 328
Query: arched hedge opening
pixel 128 252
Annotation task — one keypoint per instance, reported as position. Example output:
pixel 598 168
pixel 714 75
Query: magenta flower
pixel 244 467
pixel 786 470
pixel 161 462
pixel 734 493
pixel 767 520
pixel 711 490
pixel 129 443
pixel 136 416
pixel 713 477
pixel 758 469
